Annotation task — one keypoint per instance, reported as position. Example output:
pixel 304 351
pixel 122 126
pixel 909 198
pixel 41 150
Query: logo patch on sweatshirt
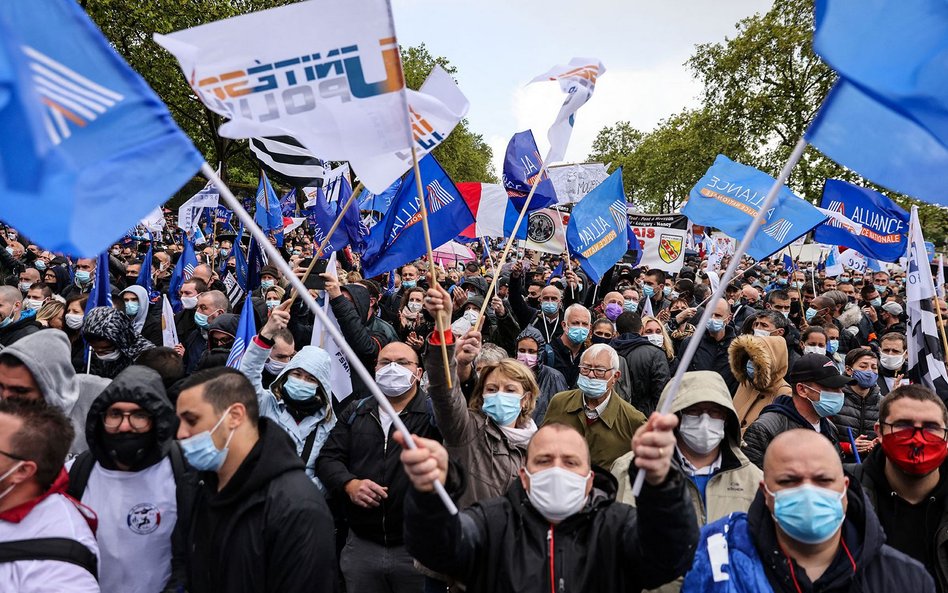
pixel 144 518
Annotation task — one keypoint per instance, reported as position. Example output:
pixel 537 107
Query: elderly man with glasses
pixel 605 420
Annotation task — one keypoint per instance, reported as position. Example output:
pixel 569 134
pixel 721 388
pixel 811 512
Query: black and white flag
pixel 285 157
pixel 234 292
pixel 926 359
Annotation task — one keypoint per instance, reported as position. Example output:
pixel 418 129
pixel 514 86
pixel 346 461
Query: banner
pixel 546 231
pixel 572 182
pixel 598 230
pixel 884 224
pixel 661 240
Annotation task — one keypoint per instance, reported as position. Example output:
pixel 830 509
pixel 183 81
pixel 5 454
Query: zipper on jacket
pixel 384 453
pixel 550 542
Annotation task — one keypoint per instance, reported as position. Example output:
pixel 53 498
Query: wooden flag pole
pixel 325 241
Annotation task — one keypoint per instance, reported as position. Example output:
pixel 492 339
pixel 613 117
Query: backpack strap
pixel 308 445
pixel 51 548
pixel 79 474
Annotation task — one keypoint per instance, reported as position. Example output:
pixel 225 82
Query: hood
pixel 624 343
pixel 62 278
pixel 226 323
pixel 850 316
pixel 137 385
pixel 48 356
pixel 478 282
pixel 314 361
pixel 107 323
pixel 769 356
pixel 138 322
pixel 360 298
pixel 704 386
pixel 534 334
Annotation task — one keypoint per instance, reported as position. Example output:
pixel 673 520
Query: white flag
pixel 940 288
pixel 341 378
pixel 338 88
pixel 841 220
pixel 155 221
pixel 189 214
pixel 169 333
pixel 572 182
pixel 926 356
pixel 546 231
pixel 578 80
pixel 292 226
pixel 834 266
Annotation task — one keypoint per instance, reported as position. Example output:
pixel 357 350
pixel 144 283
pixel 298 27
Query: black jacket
pixel 355 326
pixel 565 362
pixel 774 419
pixel 526 315
pixel 269 530
pixel 859 414
pixel 356 449
pixel 19 329
pixel 874 567
pixel 648 370
pixel 503 544
pixel 711 355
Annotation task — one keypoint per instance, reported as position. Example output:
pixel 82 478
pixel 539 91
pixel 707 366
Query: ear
pixel 524 478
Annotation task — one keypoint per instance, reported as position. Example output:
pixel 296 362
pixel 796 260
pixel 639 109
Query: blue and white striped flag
pixel 246 330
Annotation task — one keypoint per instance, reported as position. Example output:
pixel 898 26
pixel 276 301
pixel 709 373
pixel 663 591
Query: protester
pixel 532 351
pixel 893 351
pixel 857 418
pixel 571 343
pixel 12 325
pixel 760 365
pixel 646 361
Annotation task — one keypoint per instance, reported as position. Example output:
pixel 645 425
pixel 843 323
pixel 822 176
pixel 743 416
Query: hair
pixel 603 321
pixel 777 318
pixel 286 335
pixel 576 307
pixel 44 438
pixel 856 353
pixel 596 349
pixel 354 276
pixel 701 292
pixel 224 387
pixel 47 291
pixel 628 323
pixel 49 310
pixel 406 294
pixel 667 344
pixel 866 290
pixel 838 297
pixel 82 299
pixel 916 392
pixel 813 329
pixel 10 294
pixel 165 361
pixel 199 284
pixel 774 295
pixel 657 275
pixel 490 353
pixel 891 336
pixel 279 290
pixel 218 299
pixel 684 286
pixel 517 371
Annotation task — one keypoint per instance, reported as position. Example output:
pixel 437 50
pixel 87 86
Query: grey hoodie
pixel 138 322
pixel 48 356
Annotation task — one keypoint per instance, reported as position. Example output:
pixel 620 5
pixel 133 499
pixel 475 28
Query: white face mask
pixel 701 433
pixel 557 493
pixel 892 362
pixel 74 320
pixel 761 333
pixel 656 339
pixel 32 304
pixel 110 356
pixel 814 350
pixel 6 475
pixel 189 302
pixel 394 380
pixel 414 306
pixel 471 316
pixel 274 366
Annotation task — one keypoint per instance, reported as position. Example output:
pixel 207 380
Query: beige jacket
pixel 769 356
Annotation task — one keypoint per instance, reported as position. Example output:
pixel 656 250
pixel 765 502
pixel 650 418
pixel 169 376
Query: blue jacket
pixel 726 560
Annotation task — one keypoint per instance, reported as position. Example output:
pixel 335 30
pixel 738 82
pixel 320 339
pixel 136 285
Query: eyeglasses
pixel 138 420
pixel 12 456
pixel 932 433
pixel 595 372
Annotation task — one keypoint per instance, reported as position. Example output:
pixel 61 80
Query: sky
pixel 499 46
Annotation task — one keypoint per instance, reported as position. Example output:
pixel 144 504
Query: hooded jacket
pixel 550 380
pixel 496 330
pixel 769 356
pixel 47 355
pixel 147 321
pixel 712 355
pixel 648 370
pixel 314 428
pixel 106 323
pixel 267 531
pixel 776 418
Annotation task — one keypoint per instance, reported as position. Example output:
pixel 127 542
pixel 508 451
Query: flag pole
pixel 325 241
pixel 354 362
pixel 432 270
pixel 736 258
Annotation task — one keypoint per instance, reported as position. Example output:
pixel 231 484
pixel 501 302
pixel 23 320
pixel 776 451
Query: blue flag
pixel 522 164
pixel 86 147
pixel 223 216
pixel 379 202
pixel 885 118
pixel 884 224
pixel 101 293
pixel 144 276
pixel 254 264
pixel 246 330
pixel 320 217
pixel 356 232
pixel 399 238
pixel 268 215
pixel 240 261
pixel 182 273
pixel 556 273
pixel 598 229
pixel 729 196
pixel 288 204
pixel 788 263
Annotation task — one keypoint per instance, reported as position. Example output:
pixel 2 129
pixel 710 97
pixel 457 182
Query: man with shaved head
pixel 808 529
pixel 12 326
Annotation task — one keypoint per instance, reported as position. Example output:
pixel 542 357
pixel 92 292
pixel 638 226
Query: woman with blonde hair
pixel 51 314
pixel 652 328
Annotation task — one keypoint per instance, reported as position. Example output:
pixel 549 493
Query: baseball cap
pixel 892 308
pixel 820 369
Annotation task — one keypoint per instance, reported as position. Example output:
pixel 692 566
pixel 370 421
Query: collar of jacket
pixel 416 405
pixel 576 403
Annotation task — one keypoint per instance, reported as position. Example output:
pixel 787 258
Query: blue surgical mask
pixel 880 288
pixel 225 252
pixel 832 346
pixel 409 283
pixel 865 379
pixel 40 265
pixel 829 404
pixel 501 407
pixel 749 367
pixel 809 514
pixel 630 306
pixel 83 277
pixel 131 308
pixel 647 290
pixel 592 388
pixel 810 314
pixel 200 319
pixel 298 389
pixel 715 325
pixel 471 294
pixel 667 291
pixel 577 335
pixel 266 284
pixel 549 307
pixel 273 303
pixel 201 452
pixel 876 302
pixel 782 281
pixel 797 284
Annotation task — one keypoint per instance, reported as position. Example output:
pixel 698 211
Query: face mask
pixel 832 346
pixel 110 356
pixel 808 513
pixel 865 379
pixel 891 362
pixel 557 493
pixel 40 265
pixel 503 408
pixel 528 359
pixel 786 314
pixel 701 433
pixel 912 453
pixel 592 388
pixel 782 281
pixel 225 252
pixel 533 302
pixel 297 252
pixel 674 295
pixel 577 335
pixel 128 448
pixel 843 279
pixel 630 306
pixel 32 304
pixel 814 350
pixel 6 475
pixel 613 311
pixel 798 285
pixel 876 302
pixel 829 404
pixel 414 306
pixel 189 302
pixel 273 304
pixel 761 333
pixel 810 314
pixel 471 294
pixel 749 367
pixel 73 320
pixel 667 291
pixel 10 250
pixel 83 277
pixel 880 288
pixel 25 286
pixel 549 307
pixel 131 308
pixel 647 290
pixel 471 316
pixel 298 389
pixel 266 284
pixel 409 283
pixel 394 379
pixel 201 452
pixel 200 320
pixel 274 366
pixel 656 339
pixel 715 325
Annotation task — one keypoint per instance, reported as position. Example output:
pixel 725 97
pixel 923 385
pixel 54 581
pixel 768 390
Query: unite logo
pixel 70 99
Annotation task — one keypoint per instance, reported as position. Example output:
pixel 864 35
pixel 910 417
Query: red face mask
pixel 912 453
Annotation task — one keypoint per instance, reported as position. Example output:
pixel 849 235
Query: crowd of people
pixel 797 455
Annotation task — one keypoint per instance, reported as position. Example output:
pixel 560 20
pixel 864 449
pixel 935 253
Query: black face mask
pixel 533 302
pixel 131 449
pixel 599 340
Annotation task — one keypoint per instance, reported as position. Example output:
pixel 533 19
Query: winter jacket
pixel 712 355
pixel 311 432
pixel 610 436
pixel 648 370
pixel 565 362
pixel 497 330
pixel 358 330
pixel 504 545
pixel 106 323
pixel 856 324
pixel 47 355
pixel 357 450
pixel 550 380
pixel 147 321
pixel 490 461
pixel 19 329
pixel 267 531
pixel 526 315
pixel 746 550
pixel 776 418
pixel 769 356
pixel 858 414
